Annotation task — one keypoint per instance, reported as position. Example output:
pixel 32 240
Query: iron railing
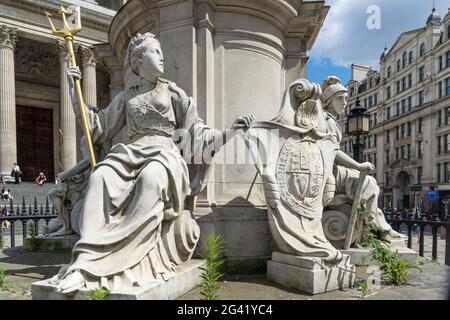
pixel 435 224
pixel 22 214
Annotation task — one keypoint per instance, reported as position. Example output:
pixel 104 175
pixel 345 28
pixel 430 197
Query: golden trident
pixel 67 32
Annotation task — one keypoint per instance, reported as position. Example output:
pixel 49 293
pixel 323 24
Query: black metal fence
pixel 419 226
pixel 11 215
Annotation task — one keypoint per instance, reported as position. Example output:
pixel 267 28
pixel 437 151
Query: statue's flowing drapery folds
pixel 133 226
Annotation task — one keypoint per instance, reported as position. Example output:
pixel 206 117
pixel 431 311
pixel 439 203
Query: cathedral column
pixel 8 144
pixel 89 76
pixel 67 120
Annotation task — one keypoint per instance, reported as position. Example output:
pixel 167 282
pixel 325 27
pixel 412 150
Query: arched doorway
pixel 402 194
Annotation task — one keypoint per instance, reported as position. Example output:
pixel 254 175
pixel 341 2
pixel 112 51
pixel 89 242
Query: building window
pixel 441 64
pixel 439 175
pixel 397 133
pixel 408 128
pixel 404 106
pixel 398 87
pixel 399 63
pixel 386 178
pixel 408 152
pixel 403 130
pixel 375 139
pixel 420 149
pixel 370 102
pixel 447 143
pixel 387 157
pixel 422 49
pixel 447 91
pixel 388 93
pixel 403 152
pixel 409 103
pixel 375 99
pixel 448 59
pixel 421 98
pixel 439 85
pixel 419 125
pixel 447 172
pixel 388 113
pixel 446 115
pixel 439 144
pixel 421 74
pixel 410 80
pixel 448 32
pixel 404 59
pixel 375 120
pixel 388 136
pixel 403 83
pixel 398 109
pixel 419 175
pixel 410 57
pixel 397 153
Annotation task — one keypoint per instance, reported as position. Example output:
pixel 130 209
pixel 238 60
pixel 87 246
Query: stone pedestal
pixel 312 275
pixel 186 279
pixel 360 257
pixel 65 243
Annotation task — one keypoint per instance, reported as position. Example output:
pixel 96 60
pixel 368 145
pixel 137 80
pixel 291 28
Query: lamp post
pixel 358 126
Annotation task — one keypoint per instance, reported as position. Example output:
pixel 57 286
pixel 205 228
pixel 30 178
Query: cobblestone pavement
pixel 25 268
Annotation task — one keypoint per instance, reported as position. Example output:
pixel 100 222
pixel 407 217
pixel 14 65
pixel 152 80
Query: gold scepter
pixel 67 32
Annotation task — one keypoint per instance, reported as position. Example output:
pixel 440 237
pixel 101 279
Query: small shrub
pixel 2 279
pixel 213 248
pixel 99 294
pixel 364 289
pixel 392 267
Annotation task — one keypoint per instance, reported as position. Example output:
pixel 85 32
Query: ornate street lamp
pixel 358 126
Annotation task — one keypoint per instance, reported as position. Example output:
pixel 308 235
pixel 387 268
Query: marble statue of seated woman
pixel 133 226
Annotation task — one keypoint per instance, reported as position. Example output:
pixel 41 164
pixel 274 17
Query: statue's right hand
pixel 74 72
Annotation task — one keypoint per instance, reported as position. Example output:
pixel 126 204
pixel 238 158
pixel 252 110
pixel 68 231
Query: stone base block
pixel 187 277
pixel 64 243
pixel 311 275
pixel 360 257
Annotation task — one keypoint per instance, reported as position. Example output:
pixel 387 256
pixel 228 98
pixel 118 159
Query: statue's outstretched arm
pixel 343 159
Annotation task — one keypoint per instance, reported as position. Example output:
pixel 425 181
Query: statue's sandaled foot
pixel 71 283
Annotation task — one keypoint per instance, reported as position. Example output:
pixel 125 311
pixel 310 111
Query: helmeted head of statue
pixel 334 95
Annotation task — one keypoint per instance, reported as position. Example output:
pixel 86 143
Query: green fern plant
pixel 99 294
pixel 213 249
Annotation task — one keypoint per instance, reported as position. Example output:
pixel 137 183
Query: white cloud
pixel 346 39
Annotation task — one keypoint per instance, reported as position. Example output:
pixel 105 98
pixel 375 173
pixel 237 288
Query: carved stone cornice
pixel 8 37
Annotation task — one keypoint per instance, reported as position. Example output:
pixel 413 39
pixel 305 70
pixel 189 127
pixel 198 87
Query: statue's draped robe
pixel 133 226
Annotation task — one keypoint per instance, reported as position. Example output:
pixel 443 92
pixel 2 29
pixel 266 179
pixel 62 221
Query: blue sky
pixel 345 37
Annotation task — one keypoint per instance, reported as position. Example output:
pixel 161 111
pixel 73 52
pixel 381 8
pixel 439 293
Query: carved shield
pixel 300 173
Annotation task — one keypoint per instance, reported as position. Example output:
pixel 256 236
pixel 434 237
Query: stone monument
pixel 295 154
pixel 137 233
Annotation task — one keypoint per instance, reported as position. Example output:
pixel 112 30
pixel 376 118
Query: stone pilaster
pixel 89 76
pixel 67 120
pixel 8 142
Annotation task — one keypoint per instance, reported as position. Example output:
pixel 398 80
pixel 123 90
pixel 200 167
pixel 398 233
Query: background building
pixel 409 105
pixel 37 125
